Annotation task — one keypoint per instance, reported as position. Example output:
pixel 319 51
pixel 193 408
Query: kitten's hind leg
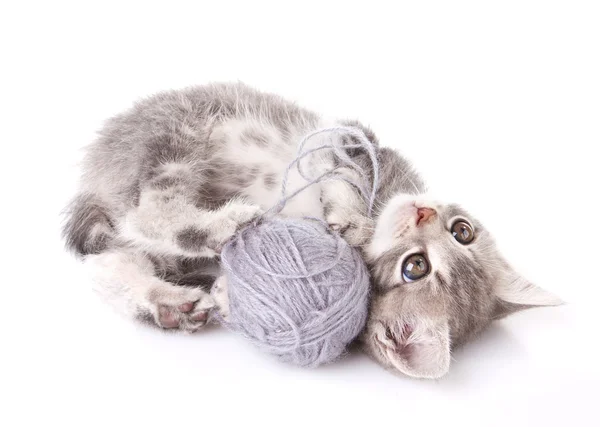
pixel 126 280
pixel 168 220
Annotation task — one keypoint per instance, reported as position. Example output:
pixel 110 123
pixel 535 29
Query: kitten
pixel 170 180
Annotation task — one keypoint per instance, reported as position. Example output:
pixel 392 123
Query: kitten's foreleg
pixel 346 209
pixel 167 219
pixel 127 281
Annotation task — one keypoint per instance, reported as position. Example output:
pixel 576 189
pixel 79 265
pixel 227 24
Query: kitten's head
pixel 438 280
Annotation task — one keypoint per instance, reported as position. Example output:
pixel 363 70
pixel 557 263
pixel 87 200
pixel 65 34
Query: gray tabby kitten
pixel 169 181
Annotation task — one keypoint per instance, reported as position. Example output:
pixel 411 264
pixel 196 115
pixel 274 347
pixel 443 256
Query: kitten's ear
pixel 514 293
pixel 422 350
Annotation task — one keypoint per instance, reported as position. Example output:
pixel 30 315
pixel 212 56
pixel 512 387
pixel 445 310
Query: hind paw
pixel 186 309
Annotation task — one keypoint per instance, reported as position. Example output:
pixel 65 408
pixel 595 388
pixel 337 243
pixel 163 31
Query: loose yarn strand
pixel 340 153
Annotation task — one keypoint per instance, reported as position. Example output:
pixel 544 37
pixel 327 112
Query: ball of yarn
pixel 296 289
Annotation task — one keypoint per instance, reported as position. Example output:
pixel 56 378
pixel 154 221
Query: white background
pixel 498 105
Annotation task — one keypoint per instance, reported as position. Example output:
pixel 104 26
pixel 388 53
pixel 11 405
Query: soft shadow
pixel 491 352
pixel 352 359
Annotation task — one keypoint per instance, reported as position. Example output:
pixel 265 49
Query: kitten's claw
pixel 339 228
pixel 355 229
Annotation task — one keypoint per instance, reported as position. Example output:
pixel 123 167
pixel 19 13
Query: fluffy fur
pixel 169 181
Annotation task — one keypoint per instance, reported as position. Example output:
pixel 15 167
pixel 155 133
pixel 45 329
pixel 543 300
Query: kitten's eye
pixel 415 267
pixel 463 232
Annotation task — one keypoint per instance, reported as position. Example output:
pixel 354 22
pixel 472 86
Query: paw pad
pixel 186 316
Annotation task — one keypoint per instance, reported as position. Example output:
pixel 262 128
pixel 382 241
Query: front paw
pixel 234 218
pixel 241 214
pixel 356 229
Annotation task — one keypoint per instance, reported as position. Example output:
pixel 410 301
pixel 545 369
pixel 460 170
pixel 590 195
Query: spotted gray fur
pixel 192 239
pixel 270 180
pixel 163 182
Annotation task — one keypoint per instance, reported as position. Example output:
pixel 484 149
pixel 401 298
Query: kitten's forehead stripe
pixel 441 281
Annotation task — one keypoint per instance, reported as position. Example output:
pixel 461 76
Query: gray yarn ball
pixel 296 289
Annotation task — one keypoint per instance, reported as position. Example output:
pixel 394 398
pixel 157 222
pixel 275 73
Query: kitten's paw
pixel 182 308
pixel 235 216
pixel 356 229
pixel 243 213
pixel 221 297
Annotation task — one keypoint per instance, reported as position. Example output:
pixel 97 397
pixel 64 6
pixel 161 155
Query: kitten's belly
pixel 251 161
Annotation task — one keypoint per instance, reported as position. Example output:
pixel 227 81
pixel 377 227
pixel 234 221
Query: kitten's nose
pixel 424 214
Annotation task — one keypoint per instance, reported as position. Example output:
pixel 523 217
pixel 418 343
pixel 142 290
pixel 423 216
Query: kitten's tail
pixel 88 228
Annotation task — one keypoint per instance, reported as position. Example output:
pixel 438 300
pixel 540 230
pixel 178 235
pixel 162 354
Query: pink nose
pixel 424 214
